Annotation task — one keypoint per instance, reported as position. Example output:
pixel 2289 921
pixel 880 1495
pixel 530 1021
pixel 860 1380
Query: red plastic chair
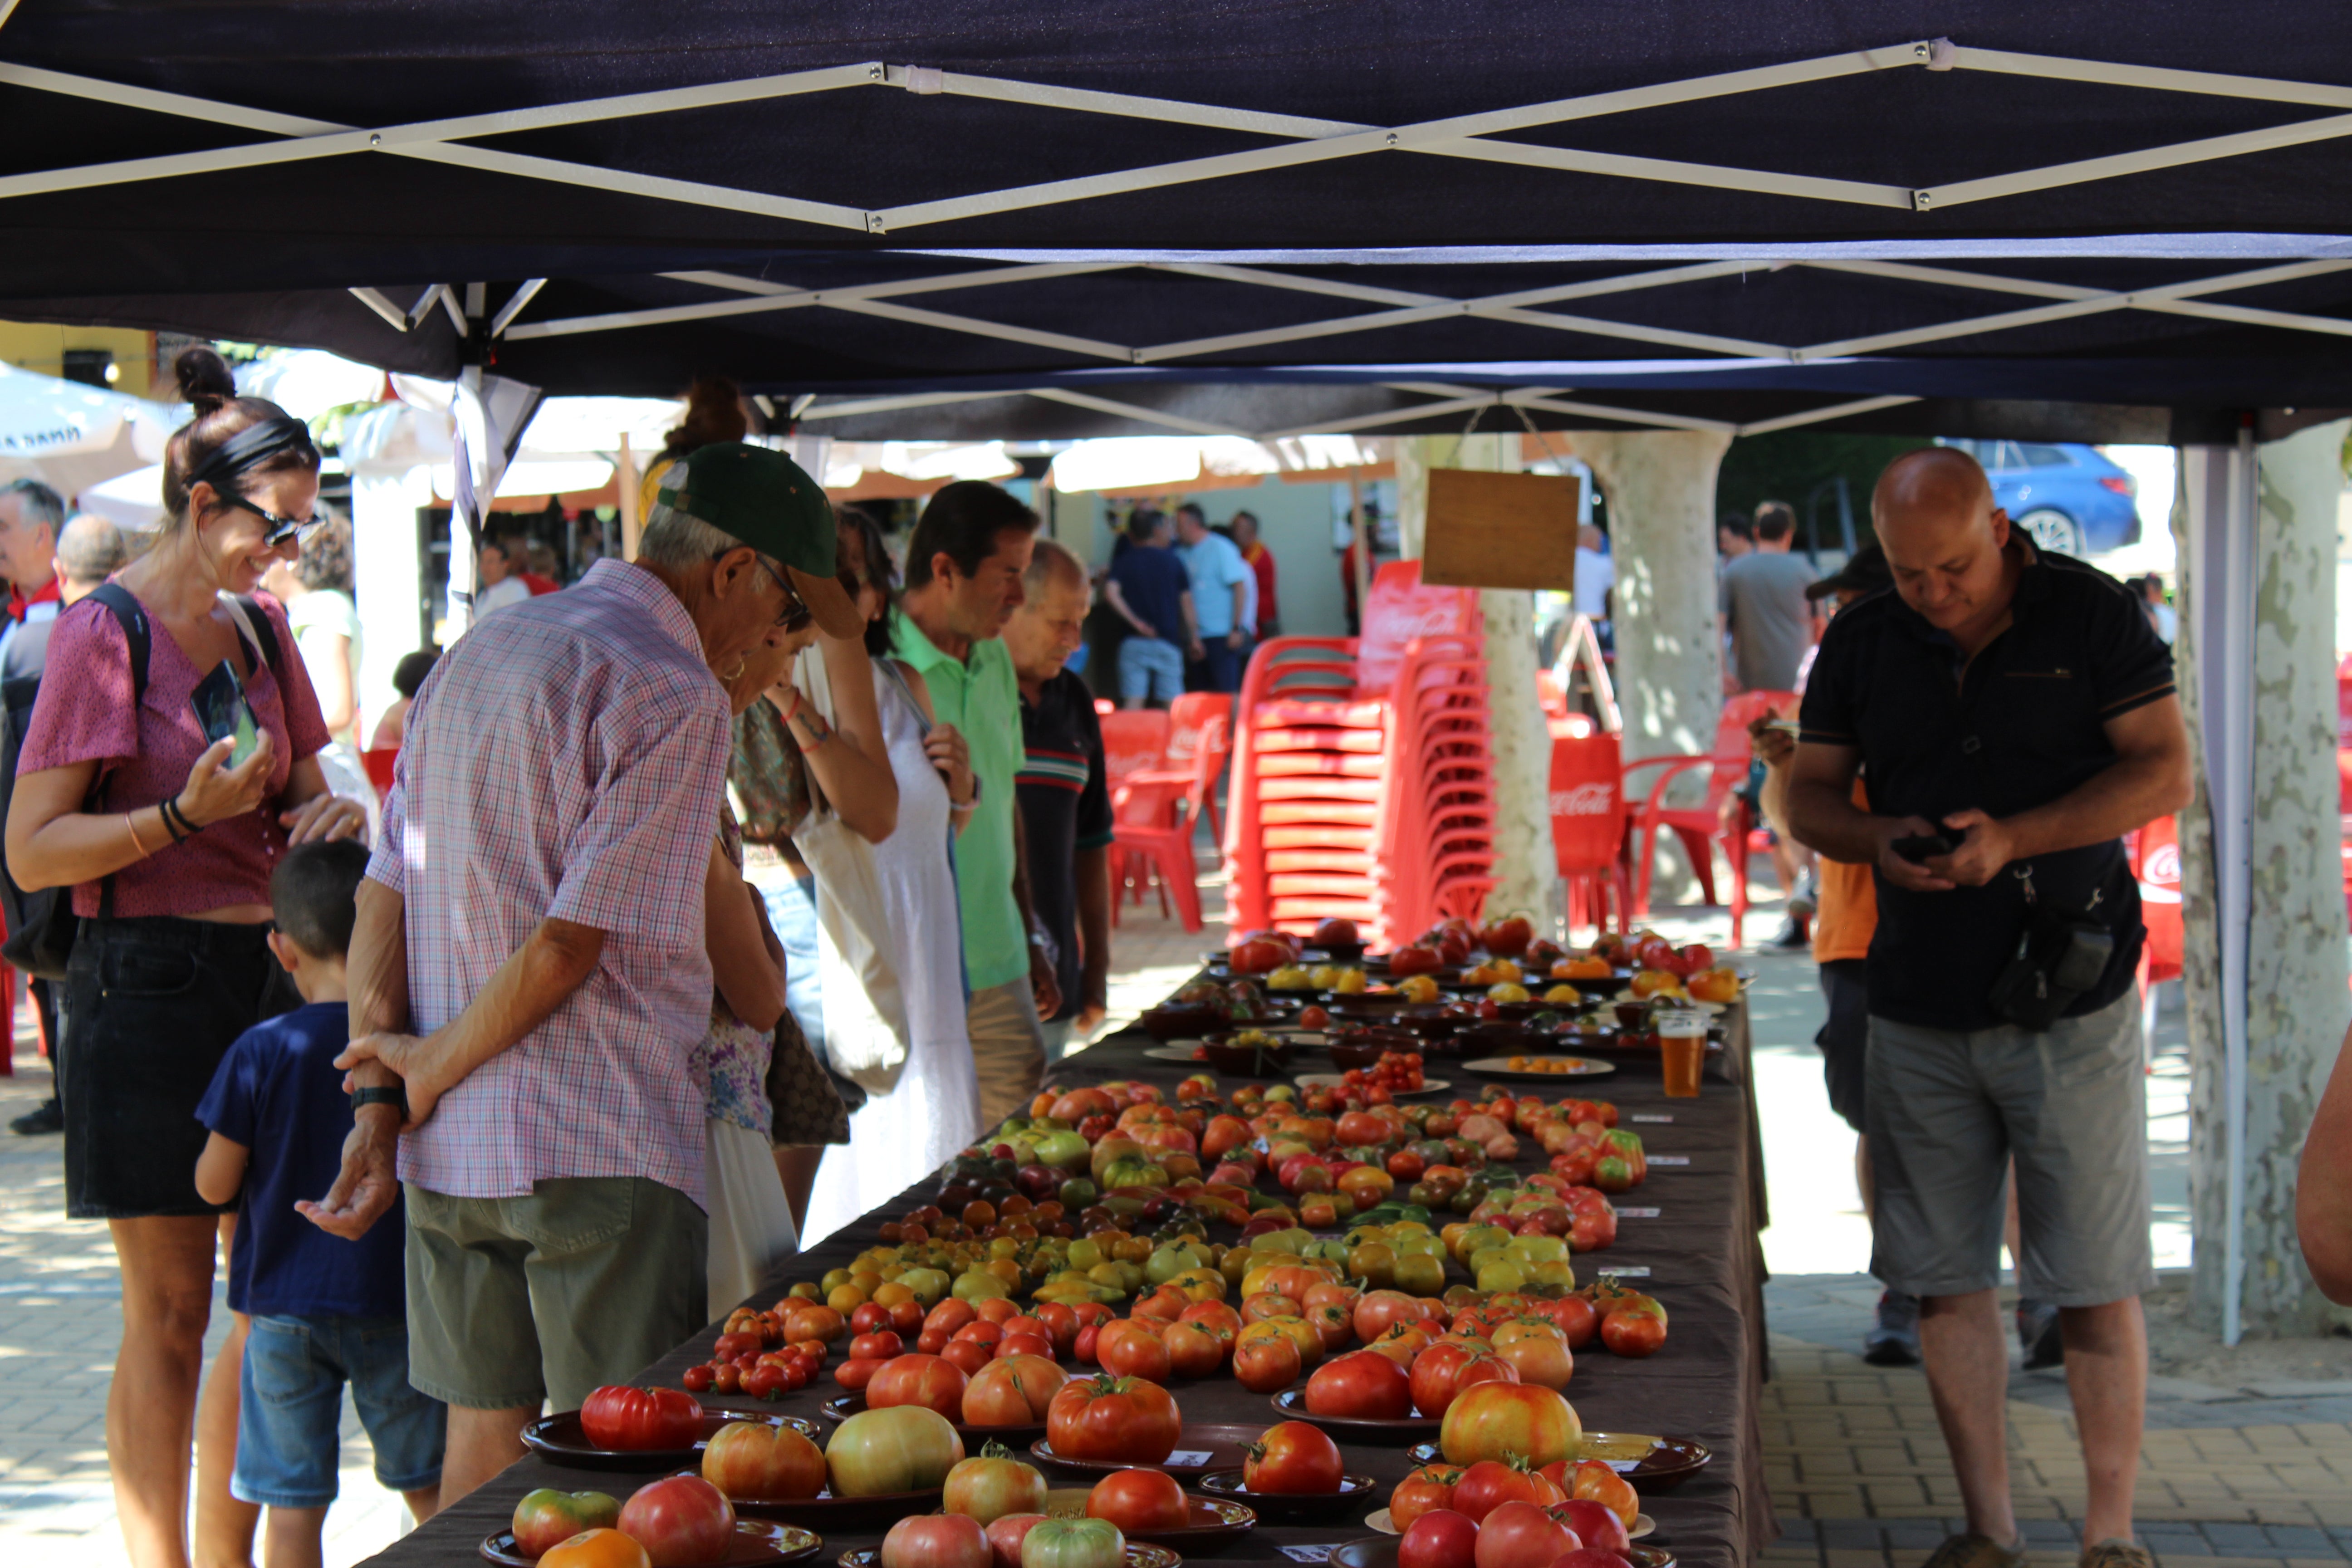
pixel 1133 740
pixel 1699 826
pixel 1151 846
pixel 1587 822
pixel 2156 861
pixel 1198 718
pixel 379 764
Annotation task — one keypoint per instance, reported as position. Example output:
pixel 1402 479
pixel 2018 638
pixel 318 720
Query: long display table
pixel 1700 1247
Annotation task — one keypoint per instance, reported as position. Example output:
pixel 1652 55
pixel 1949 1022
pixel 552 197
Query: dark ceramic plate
pixel 1380 1551
pixel 1292 1508
pixel 1138 1556
pixel 559 1441
pixel 758 1543
pixel 1292 1404
pixel 841 1512
pixel 1650 1463
pixel 1199 1448
pixel 1215 1522
pixel 849 1404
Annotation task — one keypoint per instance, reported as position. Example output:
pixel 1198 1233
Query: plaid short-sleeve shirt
pixel 566 759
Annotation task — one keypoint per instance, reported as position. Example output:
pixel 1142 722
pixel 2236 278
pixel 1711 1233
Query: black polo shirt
pixel 2025 726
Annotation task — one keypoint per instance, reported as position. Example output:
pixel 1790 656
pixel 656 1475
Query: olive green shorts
pixel 583 1283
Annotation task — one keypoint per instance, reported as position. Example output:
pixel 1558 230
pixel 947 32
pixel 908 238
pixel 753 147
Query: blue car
pixel 2067 498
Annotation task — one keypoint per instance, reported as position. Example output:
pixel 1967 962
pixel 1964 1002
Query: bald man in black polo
pixel 2017 706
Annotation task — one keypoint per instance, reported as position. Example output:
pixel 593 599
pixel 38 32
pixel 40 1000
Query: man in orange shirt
pixel 1847 917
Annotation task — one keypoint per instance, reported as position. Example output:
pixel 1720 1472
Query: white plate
pixel 1500 1067
pixel 1334 1080
pixel 1379 1519
pixel 1174 1053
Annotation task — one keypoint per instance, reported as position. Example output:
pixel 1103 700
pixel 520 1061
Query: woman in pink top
pixel 169 851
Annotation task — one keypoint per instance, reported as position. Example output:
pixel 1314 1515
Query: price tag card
pixel 1637 1214
pixel 1670 1159
pixel 1308 1554
pixel 1624 1271
pixel 1653 1116
pixel 1624 1467
pixel 1192 1459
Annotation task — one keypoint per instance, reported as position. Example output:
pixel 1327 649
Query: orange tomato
pixel 597 1549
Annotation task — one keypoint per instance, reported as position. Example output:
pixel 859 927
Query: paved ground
pixel 2246 1461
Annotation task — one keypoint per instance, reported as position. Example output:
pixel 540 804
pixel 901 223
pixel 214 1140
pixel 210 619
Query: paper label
pixel 1191 1458
pixel 1653 1116
pixel 1669 1159
pixel 1624 1467
pixel 1637 1214
pixel 1308 1554
pixel 1623 1271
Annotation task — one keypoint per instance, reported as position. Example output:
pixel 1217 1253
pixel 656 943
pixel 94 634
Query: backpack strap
pixel 253 622
pixel 132 618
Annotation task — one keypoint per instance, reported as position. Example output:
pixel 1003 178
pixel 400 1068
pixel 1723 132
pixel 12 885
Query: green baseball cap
pixel 766 500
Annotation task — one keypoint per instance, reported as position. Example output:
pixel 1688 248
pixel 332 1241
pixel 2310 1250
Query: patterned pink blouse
pixel 84 715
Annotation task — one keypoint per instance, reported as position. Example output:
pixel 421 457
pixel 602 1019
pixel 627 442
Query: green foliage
pixel 1789 463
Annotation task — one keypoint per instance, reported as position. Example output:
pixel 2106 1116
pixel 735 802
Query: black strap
pixel 131 616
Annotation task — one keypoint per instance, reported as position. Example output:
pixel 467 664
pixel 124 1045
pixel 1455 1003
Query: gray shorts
pixel 1948 1107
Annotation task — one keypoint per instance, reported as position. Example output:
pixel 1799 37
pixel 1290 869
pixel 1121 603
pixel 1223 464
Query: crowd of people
pixel 789 886
pixel 1188 601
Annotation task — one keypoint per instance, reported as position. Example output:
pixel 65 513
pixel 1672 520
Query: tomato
pixel 1379 1310
pixel 1215 1316
pixel 1437 1377
pixel 1061 1325
pixel 1425 1490
pixel 1258 957
pixel 681 1521
pixel 1107 1417
pixel 1633 1333
pixel 968 1356
pixel 1074 1544
pixel 1334 932
pixel 902 1449
pixel 876 1347
pixel 1500 1420
pixel 1577 1320
pixel 1508 937
pixel 1438 1538
pixel 936 1541
pixel 1141 1502
pixel 950 1315
pixel 1595 1523
pixel 1490 1483
pixel 752 1459
pixel 1193 1351
pixel 1292 1458
pixel 1521 1536
pixel 1039 1345
pixel 596 1549
pixel 1267 1364
pixel 1012 1392
pixel 1004 1538
pixel 1540 1359
pixel 1415 960
pixel 1596 1482
pixel 855 1375
pixel 1365 1385
pixel 618 1416
pixel 1128 1348
pixel 548 1518
pixel 992 1484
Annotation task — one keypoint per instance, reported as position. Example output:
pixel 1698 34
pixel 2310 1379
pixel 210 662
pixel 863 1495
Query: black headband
pixel 250 447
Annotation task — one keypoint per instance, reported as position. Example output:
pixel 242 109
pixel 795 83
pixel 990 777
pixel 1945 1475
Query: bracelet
pixel 144 851
pixel 169 808
pixel 817 727
pixel 178 835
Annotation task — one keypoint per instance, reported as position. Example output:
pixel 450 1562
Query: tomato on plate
pixel 619 1416
pixel 1292 1458
pixel 1141 1502
pixel 1365 1385
pixel 1124 1419
pixel 596 1549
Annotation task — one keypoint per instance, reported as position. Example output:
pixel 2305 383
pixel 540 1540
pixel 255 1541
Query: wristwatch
pixel 396 1095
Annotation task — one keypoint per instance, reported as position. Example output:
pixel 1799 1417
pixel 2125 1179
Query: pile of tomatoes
pixel 1399 1072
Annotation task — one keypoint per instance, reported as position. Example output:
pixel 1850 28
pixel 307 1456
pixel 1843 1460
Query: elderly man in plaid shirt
pixel 530 959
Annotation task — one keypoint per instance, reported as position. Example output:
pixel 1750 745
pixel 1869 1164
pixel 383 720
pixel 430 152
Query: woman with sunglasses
pixel 168 842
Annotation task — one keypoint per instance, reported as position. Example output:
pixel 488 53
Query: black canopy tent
pixel 2115 222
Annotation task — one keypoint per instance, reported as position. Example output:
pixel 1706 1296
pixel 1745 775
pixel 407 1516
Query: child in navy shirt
pixel 325 1310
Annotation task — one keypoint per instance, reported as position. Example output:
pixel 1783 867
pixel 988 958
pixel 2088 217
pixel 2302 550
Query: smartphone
pixel 1918 848
pixel 221 712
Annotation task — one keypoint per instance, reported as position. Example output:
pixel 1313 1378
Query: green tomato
pixel 979 1284
pixel 1074 1544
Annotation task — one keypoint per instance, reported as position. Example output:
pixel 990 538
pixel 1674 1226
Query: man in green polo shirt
pixel 963 583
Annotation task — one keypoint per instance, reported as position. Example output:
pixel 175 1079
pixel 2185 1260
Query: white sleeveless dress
pixel 933 1111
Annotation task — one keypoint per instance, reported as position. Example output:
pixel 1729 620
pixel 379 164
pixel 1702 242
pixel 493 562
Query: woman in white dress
pixel 316 591
pixel 932 1110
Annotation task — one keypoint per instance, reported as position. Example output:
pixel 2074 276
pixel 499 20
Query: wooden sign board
pixel 1500 530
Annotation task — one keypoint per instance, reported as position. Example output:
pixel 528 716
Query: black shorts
pixel 150 1007
pixel 1845 1039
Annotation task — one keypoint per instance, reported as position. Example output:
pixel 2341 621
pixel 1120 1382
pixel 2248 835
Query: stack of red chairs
pixel 1363 779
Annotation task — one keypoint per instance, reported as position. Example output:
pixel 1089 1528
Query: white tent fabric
pixel 71 436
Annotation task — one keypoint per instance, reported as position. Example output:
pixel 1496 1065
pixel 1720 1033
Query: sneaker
pixel 2116 1552
pixel 1894 1340
pixel 1805 902
pixel 2038 1336
pixel 46 1117
pixel 1977 1551
pixel 1789 938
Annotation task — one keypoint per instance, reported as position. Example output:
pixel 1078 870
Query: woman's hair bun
pixel 204 379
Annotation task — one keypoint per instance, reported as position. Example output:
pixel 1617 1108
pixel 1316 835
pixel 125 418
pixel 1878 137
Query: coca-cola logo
pixel 1593 799
pixel 2159 874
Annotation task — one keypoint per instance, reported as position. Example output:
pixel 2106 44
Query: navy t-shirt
pixel 1153 581
pixel 279 1093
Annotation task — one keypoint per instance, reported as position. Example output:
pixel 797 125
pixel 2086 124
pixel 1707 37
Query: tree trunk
pixel 1660 488
pixel 2296 966
pixel 1527 873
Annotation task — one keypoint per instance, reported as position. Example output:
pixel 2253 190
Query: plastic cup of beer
pixel 1682 1049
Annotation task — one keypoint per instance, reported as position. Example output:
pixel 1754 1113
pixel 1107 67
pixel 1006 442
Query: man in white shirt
pixel 30 516
pixel 1596 574
pixel 498 570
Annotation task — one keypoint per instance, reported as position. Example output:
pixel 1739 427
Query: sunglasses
pixel 281 529
pixel 794 615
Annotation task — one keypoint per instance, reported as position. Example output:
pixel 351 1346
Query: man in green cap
pixel 528 974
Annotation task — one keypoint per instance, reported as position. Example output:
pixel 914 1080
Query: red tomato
pixel 1334 931
pixel 1292 1458
pixel 549 1518
pixel 1038 1345
pixel 867 1318
pixel 696 1379
pixel 1508 937
pixel 1131 1349
pixel 682 1522
pixel 618 1416
pixel 1521 1536
pixel 765 1380
pixel 751 1460
pixel 1595 1523
pixel 1267 1365
pixel 1410 960
pixel 1438 1538
pixel 1490 1483
pixel 968 1355
pixel 929 1380
pixel 1004 1538
pixel 1425 1490
pixel 1107 1417
pixel 729 1346
pixel 1192 1349
pixel 1141 1502
pixel 1365 1385
pixel 1596 1481
pixel 950 1315
pixel 1633 1334
pixel 1500 1420
pixel 1011 1392
pixel 936 1541
pixel 1258 957
pixel 1577 1320
pixel 879 1346
pixel 992 1484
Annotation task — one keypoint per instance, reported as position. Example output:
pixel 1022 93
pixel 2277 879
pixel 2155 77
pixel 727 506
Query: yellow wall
pixel 42 348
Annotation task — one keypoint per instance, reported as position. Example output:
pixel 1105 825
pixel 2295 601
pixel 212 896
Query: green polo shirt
pixel 981 698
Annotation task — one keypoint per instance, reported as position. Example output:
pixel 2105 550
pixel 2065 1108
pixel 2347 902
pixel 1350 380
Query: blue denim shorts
pixel 292 1405
pixel 1151 667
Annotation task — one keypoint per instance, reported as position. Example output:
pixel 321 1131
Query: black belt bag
pixel 2059 956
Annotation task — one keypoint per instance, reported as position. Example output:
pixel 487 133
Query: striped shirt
pixel 565 758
